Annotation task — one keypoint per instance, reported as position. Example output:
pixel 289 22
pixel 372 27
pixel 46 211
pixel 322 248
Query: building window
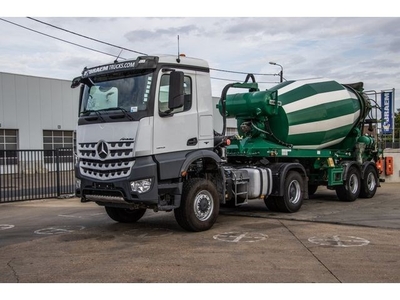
pixel 57 142
pixel 8 146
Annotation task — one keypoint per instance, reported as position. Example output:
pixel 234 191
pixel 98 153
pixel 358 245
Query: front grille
pixel 106 160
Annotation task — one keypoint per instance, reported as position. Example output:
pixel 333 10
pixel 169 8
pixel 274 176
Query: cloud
pixel 148 35
pixel 394 45
pixel 344 49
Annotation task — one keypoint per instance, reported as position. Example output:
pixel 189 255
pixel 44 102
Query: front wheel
pixel 370 183
pixel 199 205
pixel 350 190
pixel 125 215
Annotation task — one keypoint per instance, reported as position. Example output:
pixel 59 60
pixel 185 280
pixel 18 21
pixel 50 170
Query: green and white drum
pixel 307 114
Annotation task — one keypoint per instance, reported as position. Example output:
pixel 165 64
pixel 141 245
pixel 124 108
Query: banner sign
pixel 387 112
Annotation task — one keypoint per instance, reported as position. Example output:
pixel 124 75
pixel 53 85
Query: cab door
pixel 175 130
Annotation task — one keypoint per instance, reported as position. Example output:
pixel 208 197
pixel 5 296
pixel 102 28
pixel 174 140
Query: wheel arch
pixel 212 169
pixel 209 156
pixel 173 168
pixel 279 172
pixel 346 167
pixel 365 166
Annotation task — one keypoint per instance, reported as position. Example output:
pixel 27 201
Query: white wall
pixel 395 153
pixel 33 104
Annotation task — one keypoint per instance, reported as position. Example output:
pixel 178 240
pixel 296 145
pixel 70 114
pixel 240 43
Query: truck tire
pixel 370 183
pixel 312 188
pixel 270 203
pixel 292 198
pixel 350 190
pixel 125 215
pixel 199 205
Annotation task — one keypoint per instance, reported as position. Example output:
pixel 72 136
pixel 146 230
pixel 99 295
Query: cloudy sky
pixel 348 48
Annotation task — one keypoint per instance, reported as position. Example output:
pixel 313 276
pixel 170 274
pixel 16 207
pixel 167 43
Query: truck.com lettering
pixel 125 65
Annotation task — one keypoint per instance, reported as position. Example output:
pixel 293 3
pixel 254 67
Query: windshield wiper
pixel 98 114
pixel 124 111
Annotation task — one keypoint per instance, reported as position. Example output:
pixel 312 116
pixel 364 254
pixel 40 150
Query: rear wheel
pixel 370 183
pixel 199 205
pixel 270 203
pixel 312 188
pixel 292 198
pixel 350 190
pixel 125 215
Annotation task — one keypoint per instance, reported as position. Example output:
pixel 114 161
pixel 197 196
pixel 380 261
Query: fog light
pixel 141 186
pixel 77 183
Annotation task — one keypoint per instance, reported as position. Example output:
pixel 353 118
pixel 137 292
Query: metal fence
pixel 395 145
pixel 36 174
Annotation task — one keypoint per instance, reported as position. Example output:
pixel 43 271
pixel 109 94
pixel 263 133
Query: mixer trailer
pixel 146 140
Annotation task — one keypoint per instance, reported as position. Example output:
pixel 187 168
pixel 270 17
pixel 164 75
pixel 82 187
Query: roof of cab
pixel 184 60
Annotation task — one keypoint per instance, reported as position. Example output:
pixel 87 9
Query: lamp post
pixel 281 72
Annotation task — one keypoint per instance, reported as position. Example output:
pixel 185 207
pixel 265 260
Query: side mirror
pixel 176 95
pixel 76 82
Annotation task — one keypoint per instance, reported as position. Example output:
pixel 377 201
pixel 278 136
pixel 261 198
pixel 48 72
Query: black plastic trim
pixel 169 164
pixel 279 171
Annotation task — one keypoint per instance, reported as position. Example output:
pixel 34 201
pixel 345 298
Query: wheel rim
pixel 371 181
pixel 294 192
pixel 353 183
pixel 203 205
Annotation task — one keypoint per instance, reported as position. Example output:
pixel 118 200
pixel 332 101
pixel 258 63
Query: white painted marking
pixel 339 241
pixel 58 230
pixel 6 226
pixel 81 216
pixel 148 233
pixel 236 237
pixel 70 216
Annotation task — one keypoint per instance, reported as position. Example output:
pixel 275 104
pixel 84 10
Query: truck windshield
pixel 129 94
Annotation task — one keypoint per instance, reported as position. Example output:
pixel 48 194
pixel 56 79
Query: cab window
pixel 164 92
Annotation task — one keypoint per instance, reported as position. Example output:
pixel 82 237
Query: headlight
pixel 141 186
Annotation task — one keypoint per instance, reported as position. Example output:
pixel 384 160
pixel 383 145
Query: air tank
pixel 305 114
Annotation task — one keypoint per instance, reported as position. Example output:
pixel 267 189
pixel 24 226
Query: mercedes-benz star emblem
pixel 102 149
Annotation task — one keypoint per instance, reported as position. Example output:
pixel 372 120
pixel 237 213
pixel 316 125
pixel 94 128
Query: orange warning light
pixel 379 165
pixel 388 165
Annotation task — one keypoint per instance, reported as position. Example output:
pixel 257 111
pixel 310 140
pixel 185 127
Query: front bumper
pixel 118 191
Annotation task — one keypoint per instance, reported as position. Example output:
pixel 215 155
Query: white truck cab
pixel 142 124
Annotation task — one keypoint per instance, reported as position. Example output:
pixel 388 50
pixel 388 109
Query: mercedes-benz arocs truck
pixel 145 140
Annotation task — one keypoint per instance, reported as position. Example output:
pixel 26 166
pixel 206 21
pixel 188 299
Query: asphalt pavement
pixel 327 241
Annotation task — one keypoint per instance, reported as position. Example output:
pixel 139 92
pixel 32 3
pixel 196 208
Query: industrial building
pixel 41 113
pixel 36 112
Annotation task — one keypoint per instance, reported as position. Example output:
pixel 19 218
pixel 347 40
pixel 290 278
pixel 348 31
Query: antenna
pixel 116 60
pixel 178 60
